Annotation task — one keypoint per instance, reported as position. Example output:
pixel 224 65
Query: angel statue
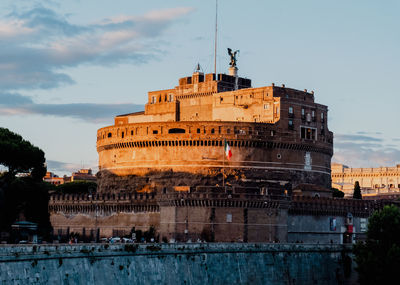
pixel 233 57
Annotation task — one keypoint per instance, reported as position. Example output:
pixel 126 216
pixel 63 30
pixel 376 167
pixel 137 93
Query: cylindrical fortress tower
pixel 278 137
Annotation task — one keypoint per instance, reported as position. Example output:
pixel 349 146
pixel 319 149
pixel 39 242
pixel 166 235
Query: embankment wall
pixel 218 263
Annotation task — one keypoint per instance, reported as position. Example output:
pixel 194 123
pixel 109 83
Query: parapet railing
pixel 336 206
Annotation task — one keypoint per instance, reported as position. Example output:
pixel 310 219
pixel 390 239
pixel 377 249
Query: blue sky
pixel 68 67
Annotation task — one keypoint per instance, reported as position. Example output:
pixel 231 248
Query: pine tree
pixel 357 191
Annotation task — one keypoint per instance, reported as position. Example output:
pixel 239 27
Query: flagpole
pixel 223 165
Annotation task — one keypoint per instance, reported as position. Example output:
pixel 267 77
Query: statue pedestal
pixel 233 71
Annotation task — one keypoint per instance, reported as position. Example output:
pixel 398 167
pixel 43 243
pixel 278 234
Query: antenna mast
pixel 215 41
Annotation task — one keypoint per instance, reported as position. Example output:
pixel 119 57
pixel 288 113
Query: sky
pixel 68 67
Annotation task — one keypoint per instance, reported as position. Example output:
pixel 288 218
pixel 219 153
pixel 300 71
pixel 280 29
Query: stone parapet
pixel 301 205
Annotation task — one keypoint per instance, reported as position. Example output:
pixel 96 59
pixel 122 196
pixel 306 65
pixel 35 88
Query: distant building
pixel 53 178
pixel 84 174
pixel 380 181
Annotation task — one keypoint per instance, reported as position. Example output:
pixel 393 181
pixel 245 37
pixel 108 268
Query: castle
pixel 166 167
pixel 278 136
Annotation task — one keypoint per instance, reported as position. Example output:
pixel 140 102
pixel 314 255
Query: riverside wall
pixel 212 263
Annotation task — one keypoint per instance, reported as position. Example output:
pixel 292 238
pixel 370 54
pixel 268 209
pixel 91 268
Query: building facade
pixel 380 181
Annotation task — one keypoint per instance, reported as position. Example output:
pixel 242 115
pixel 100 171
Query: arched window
pixel 176 131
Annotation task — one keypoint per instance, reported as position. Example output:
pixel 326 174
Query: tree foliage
pixel 22 197
pixel 378 259
pixel 357 191
pixel 19 155
pixel 29 198
pixel 77 187
pixel 336 193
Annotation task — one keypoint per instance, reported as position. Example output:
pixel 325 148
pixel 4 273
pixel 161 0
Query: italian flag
pixel 228 151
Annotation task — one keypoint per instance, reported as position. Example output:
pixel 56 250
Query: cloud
pixel 17 104
pixel 66 168
pixel 357 137
pixel 38 43
pixel 365 151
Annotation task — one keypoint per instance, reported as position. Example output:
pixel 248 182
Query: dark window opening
pixel 212 131
pixel 155 132
pixel 307 133
pixel 176 131
pixel 109 135
pixel 122 134
pixel 131 133
pixel 228 131
pixel 290 124
pixel 198 131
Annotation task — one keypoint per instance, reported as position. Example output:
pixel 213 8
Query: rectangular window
pixel 266 106
pixel 363 225
pixel 122 134
pixel 290 110
pixel 332 224
pixel 153 99
pixel 308 133
pixel 171 97
pixel 291 124
pixel 229 218
pixel 303 112
pixel 198 131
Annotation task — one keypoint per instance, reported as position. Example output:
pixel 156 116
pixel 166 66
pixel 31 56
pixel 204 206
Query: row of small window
pixel 236 131
pixel 309 116
pixel 376 186
pixel 167 98
pixel 305 130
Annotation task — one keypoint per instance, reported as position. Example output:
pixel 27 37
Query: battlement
pixel 303 205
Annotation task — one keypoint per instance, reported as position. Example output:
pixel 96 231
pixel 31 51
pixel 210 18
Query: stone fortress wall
pixel 212 214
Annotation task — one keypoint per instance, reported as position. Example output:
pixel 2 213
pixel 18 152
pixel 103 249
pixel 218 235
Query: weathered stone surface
pixel 176 264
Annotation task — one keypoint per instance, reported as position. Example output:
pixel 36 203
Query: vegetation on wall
pixel 77 187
